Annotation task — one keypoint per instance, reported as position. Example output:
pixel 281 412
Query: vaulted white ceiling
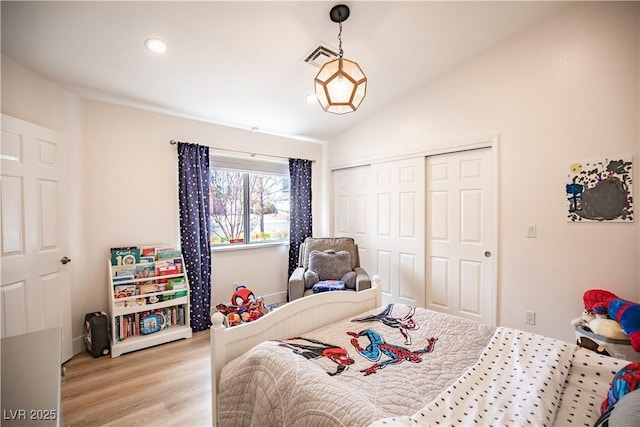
pixel 241 63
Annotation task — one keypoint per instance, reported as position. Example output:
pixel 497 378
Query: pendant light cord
pixel 340 34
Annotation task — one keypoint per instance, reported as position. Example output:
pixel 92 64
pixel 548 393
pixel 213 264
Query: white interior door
pixel 460 234
pixel 35 287
pixel 351 211
pixel 399 231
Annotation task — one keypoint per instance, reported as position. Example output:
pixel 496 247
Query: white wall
pixel 131 179
pixel 565 90
pixel 122 174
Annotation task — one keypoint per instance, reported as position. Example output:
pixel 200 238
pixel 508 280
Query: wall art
pixel 600 191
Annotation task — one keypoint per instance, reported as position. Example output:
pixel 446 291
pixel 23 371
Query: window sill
pixel 243 246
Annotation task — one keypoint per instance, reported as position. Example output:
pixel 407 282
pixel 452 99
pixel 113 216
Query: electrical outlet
pixel 531 231
pixel 530 317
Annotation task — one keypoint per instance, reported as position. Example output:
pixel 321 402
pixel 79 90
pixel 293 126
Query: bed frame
pixel 290 320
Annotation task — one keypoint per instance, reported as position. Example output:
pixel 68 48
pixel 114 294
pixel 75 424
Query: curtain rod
pixel 251 153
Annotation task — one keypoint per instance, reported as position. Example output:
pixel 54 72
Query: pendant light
pixel 340 85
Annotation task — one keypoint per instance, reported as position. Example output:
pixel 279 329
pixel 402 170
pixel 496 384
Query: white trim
pixel 480 142
pixel 248 163
pixel 495 151
pixel 244 246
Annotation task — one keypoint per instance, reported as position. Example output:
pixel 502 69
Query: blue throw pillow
pixel 328 285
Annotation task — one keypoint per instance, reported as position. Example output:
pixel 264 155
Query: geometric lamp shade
pixel 340 86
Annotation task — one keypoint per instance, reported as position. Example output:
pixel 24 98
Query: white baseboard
pixel 78 345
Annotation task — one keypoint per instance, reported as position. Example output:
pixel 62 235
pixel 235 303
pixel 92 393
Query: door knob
pixel 487 254
pixel 65 260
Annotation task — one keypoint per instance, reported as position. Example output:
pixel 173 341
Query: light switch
pixel 531 231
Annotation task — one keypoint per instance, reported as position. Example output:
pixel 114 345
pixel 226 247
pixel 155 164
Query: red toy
pixel 245 307
pixel 627 313
pixel 242 296
pixel 597 298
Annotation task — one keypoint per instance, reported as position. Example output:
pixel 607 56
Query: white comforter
pixel 271 385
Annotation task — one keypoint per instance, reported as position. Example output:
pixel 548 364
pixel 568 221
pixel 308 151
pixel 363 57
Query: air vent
pixel 320 55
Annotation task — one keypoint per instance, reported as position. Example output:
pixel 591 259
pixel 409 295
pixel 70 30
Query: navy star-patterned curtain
pixel 194 178
pixel 300 215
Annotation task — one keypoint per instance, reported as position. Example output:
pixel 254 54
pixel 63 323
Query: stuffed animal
pixel 600 325
pixel 607 328
pixel 595 299
pixel 584 319
pixel 330 265
pixel 242 296
pixel 234 319
pixel 625 312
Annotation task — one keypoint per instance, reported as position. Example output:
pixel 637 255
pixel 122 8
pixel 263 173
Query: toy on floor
pixel 626 313
pixel 245 307
pixel 242 296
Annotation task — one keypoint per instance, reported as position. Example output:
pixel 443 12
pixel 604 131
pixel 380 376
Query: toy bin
pixel 620 349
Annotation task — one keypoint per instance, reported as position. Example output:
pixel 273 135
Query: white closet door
pixel 460 234
pixel 351 210
pixel 399 230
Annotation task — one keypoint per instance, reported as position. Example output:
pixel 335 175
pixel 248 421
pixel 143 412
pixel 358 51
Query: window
pixel 248 195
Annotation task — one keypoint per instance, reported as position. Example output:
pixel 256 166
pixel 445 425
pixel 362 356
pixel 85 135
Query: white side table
pixel 31 373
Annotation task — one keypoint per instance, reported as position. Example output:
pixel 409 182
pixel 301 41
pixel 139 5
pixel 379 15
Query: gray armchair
pixel 347 269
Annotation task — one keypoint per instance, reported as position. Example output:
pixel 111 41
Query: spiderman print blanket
pixel 387 362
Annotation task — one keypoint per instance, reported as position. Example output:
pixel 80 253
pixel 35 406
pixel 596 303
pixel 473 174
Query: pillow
pixel 323 243
pixel 624 381
pixel 330 265
pixel 328 285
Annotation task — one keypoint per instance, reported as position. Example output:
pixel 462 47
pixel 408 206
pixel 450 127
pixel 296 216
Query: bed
pixel 344 359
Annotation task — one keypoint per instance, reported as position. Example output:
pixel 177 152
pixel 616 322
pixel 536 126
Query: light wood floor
pixel 167 385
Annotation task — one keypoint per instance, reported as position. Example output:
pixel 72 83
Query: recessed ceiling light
pixel 156 45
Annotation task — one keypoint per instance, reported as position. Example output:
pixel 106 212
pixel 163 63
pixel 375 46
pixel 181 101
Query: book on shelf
pixel 135 303
pixel 121 279
pixel 167 271
pixel 123 267
pixel 163 249
pixel 125 256
pixel 145 270
pixel 178 262
pixel 126 272
pixel 120 328
pixel 168 254
pixel 136 323
pixel 147 288
pixel 177 283
pixel 148 258
pixel 164 263
pixel 148 251
pixel 123 291
pixel 181 318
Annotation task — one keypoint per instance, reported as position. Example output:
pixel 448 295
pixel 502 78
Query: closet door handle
pixel 487 254
pixel 65 260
